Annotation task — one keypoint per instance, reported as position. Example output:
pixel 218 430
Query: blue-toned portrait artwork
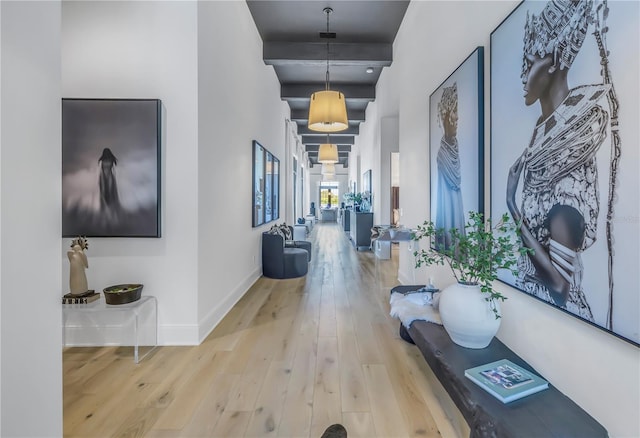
pixel 456 143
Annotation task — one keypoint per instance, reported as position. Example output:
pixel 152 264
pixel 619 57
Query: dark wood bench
pixel 548 413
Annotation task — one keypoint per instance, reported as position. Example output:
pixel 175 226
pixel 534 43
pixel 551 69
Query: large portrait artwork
pixel 111 167
pixel 564 155
pixel 266 186
pixel 456 147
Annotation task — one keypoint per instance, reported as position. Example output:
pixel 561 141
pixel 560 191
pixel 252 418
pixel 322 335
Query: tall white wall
pixel 435 37
pixel 389 143
pixel 239 101
pixel 146 50
pixel 31 379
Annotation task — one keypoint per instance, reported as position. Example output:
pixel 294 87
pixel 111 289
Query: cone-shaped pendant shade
pixel 328 169
pixel 328 153
pixel 328 111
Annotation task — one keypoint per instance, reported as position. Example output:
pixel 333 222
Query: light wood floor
pixel 291 358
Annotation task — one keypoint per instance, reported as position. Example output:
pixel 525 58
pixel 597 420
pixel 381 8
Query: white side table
pixel 310 221
pixel 299 232
pixel 99 324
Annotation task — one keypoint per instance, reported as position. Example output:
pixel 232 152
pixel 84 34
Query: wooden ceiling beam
pixel 343 149
pixel 322 138
pixel 302 115
pixel 352 92
pixel 315 53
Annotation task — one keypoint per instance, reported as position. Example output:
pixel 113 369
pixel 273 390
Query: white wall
pixel 389 143
pixel 378 138
pixel 146 50
pixel 31 381
pixel 239 101
pixel 435 37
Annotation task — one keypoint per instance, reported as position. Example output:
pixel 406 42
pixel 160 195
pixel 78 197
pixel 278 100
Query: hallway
pixel 291 358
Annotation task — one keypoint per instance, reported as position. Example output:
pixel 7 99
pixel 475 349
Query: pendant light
pixel 327 108
pixel 328 169
pixel 328 153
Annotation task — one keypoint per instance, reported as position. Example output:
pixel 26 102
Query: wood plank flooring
pixel 290 359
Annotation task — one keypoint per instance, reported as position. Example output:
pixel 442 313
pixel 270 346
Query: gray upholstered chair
pixel 279 261
pixel 298 244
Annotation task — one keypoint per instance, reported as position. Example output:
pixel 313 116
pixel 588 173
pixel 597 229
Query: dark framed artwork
pixel 564 155
pixel 266 186
pixel 111 167
pixel 456 147
pixel 258 184
pixel 366 181
pixel 276 188
pixel 367 189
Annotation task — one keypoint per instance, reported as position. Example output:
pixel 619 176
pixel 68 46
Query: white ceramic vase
pixel 467 317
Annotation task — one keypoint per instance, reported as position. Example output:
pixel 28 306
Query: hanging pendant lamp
pixel 327 108
pixel 328 153
pixel 328 169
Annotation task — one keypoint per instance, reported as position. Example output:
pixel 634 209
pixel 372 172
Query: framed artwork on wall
pixel 564 155
pixel 266 186
pixel 111 167
pixel 258 184
pixel 367 192
pixel 456 147
pixel 366 181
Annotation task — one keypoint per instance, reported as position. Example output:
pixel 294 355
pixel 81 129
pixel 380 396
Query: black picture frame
pixel 366 182
pixel 111 179
pixel 605 293
pixel 265 186
pixel 456 157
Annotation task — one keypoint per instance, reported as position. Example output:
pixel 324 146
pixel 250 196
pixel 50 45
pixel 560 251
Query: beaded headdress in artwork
pixel 559 30
pixel 448 105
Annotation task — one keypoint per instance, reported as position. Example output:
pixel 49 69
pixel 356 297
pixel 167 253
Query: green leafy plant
pixel 355 198
pixel 475 255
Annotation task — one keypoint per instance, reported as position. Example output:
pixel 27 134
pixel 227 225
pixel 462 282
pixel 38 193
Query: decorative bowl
pixel 122 293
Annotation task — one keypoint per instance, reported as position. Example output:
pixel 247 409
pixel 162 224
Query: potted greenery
pixel 469 309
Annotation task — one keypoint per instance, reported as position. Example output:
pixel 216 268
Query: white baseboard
pixel 178 334
pixel 213 318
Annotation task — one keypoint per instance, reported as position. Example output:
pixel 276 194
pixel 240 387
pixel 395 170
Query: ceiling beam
pixel 362 92
pixel 321 139
pixel 315 53
pixel 351 130
pixel 343 149
pixel 302 115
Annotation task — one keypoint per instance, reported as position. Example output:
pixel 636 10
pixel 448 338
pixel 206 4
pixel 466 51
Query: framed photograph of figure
pixel 258 184
pixel 266 186
pixel 564 155
pixel 456 147
pixel 111 167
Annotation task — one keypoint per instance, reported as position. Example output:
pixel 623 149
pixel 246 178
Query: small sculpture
pixel 78 262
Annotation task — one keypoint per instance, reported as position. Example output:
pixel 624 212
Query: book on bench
pixel 86 298
pixel 505 380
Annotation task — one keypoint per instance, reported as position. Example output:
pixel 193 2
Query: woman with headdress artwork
pixel 559 199
pixel 109 200
pixel 449 211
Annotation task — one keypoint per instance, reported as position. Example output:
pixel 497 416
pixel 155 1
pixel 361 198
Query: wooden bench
pixel 548 413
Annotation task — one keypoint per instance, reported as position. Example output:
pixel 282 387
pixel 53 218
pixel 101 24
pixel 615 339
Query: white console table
pixel 99 324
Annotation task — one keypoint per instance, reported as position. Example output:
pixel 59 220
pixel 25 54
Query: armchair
pixel 296 243
pixel 279 261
